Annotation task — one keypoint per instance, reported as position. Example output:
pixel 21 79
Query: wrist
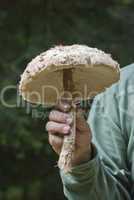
pixel 88 155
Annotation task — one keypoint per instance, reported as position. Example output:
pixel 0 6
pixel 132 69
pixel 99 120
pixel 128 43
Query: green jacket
pixel 110 174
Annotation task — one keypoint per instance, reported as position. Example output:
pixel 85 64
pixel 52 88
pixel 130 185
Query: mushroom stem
pixel 68 148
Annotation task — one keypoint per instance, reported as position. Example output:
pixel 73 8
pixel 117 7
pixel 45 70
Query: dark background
pixel 28 27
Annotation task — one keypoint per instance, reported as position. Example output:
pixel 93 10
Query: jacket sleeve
pixel 106 176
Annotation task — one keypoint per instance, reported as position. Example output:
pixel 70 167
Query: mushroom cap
pixel 87 71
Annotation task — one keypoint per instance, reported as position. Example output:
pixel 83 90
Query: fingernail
pixel 66 107
pixel 69 120
pixel 66 129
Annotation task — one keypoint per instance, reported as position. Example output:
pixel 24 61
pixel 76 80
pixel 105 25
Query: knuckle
pixel 48 126
pixel 51 140
pixel 57 116
pixel 52 114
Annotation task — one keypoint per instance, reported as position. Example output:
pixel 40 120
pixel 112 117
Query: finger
pixel 81 123
pixel 55 127
pixel 56 142
pixel 64 105
pixel 61 117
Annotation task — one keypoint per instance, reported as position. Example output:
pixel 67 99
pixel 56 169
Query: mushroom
pixel 75 72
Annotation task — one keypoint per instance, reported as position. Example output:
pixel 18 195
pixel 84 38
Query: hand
pixel 59 125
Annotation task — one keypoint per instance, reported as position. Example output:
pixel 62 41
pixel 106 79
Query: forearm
pixel 93 181
pixel 78 184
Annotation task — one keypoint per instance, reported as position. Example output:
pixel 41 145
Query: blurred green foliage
pixel 27 28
